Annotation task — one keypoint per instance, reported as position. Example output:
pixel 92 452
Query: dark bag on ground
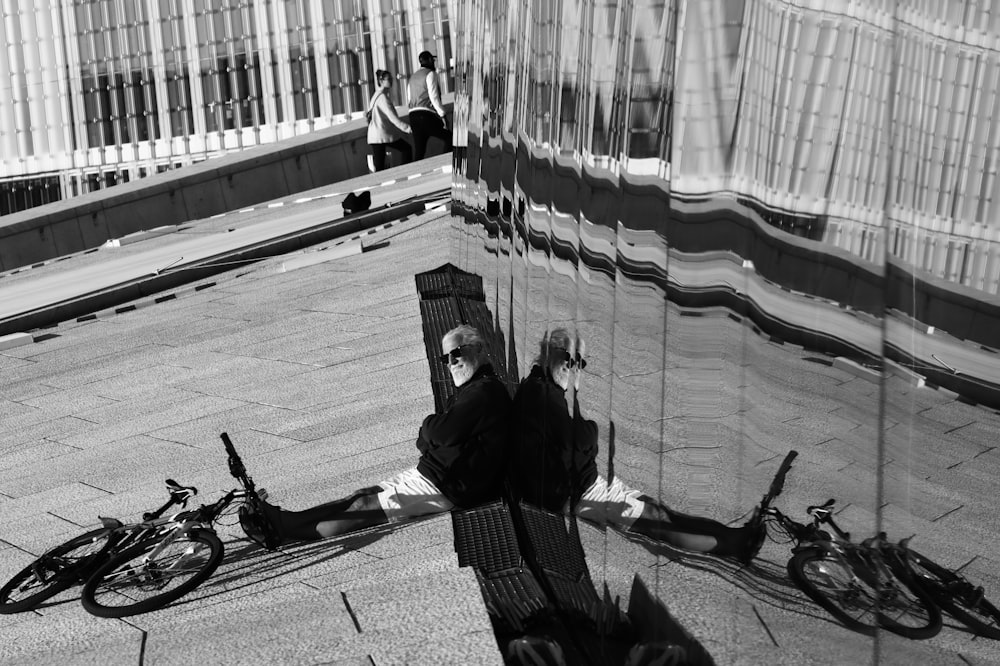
pixel 355 203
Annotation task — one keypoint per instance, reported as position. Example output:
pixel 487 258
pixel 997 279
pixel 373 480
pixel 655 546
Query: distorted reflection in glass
pixel 633 440
pixel 705 193
pixel 595 308
pixel 942 367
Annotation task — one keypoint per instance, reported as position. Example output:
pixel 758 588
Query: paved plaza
pixel 316 367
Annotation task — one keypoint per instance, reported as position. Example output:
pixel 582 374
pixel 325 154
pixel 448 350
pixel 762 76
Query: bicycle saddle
pixel 821 509
pixel 180 493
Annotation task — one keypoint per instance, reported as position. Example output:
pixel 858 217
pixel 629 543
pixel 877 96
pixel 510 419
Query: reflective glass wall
pixel 774 224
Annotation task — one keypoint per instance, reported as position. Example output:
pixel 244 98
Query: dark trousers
pixel 402 146
pixel 424 125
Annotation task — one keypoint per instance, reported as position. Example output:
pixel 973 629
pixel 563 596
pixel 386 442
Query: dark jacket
pixel 463 448
pixel 555 453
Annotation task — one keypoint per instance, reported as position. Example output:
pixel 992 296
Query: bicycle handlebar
pixel 778 483
pixel 236 467
pixel 779 478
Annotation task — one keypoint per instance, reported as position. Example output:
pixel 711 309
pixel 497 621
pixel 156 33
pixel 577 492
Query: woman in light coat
pixel 385 128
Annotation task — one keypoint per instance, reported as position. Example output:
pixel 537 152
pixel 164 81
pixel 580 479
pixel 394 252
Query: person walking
pixel 427 114
pixel 462 450
pixel 385 128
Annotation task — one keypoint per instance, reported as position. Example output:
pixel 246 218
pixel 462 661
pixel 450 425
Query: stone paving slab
pixel 98 651
pixel 300 627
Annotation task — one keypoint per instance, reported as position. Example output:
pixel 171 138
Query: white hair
pixel 558 338
pixel 465 335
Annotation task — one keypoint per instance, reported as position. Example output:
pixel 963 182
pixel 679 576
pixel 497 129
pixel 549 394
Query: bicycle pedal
pixel 38 573
pixel 977 596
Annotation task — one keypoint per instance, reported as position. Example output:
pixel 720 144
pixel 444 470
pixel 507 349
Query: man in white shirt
pixel 427 114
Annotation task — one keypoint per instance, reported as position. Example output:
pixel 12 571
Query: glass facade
pixel 95 92
pixel 773 224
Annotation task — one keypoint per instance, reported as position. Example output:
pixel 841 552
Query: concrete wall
pixel 234 181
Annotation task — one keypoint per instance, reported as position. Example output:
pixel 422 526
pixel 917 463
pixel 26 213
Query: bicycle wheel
pixel 861 605
pixel 140 579
pixel 956 595
pixel 54 571
pixel 906 608
pixel 831 584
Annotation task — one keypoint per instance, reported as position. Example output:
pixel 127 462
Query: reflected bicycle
pixel 852 581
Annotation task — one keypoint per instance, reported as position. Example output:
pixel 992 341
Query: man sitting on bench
pixel 461 460
pixel 553 464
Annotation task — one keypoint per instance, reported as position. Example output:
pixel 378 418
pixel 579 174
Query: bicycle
pixel 951 591
pixel 849 580
pixel 184 552
pixel 71 563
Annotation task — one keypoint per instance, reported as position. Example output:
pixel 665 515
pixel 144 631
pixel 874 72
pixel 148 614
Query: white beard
pixel 461 373
pixel 561 377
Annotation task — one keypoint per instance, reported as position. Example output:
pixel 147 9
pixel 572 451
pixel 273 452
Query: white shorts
pixel 410 494
pixel 616 504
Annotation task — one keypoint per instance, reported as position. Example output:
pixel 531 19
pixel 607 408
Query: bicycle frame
pixel 862 560
pixel 845 577
pixel 153 523
pixel 168 557
pixel 183 523
pixel 954 584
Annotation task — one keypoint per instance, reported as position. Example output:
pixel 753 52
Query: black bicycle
pixel 139 567
pixel 849 580
pixel 950 590
pixel 179 557
pixel 71 563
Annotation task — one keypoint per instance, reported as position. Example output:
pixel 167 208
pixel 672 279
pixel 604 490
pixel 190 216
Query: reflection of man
pixel 555 464
pixel 427 114
pixel 461 454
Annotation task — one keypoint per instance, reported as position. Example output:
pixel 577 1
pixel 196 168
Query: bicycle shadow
pixel 764 581
pixel 250 565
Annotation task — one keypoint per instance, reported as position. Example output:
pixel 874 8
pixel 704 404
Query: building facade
pixel 831 120
pixel 98 92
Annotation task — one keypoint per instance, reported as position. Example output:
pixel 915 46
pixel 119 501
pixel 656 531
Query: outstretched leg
pixel 357 511
pixel 363 512
pixel 695 533
pixel 407 495
pixel 629 510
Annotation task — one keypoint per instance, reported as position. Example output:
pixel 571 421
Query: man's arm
pixel 434 92
pixel 452 427
pixel 584 432
pixel 389 111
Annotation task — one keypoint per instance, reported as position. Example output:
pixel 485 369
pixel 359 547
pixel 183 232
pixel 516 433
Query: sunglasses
pixel 571 361
pixel 453 356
